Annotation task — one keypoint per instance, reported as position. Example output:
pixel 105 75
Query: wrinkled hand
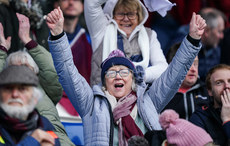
pixel 43 137
pixel 225 110
pixel 24 28
pixel 55 21
pixel 3 41
pixel 196 26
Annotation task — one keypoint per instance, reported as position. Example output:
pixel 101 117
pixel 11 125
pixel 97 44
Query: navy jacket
pixel 186 103
pixel 209 119
pixel 6 140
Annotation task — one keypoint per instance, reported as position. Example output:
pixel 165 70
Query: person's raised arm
pixel 55 21
pixel 47 74
pixel 96 21
pixel 76 87
pixel 172 78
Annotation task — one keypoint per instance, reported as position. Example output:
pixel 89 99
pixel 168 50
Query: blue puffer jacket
pixel 92 105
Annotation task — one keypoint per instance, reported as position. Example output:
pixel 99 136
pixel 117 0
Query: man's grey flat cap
pixel 18 74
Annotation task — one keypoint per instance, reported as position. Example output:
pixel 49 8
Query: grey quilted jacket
pixel 93 106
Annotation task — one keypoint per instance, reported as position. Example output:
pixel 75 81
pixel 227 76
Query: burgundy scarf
pixel 127 126
pixel 18 128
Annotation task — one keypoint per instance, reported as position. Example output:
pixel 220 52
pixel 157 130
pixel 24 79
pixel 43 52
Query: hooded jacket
pixel 92 104
pixel 186 103
pixel 99 20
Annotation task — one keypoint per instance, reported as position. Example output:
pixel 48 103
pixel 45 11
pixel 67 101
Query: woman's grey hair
pixel 134 85
pixel 22 57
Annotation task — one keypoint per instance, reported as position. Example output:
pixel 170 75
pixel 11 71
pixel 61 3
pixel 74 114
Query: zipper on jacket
pixel 111 124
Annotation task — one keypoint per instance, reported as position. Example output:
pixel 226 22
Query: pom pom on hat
pixel 167 117
pixel 116 53
pixel 181 132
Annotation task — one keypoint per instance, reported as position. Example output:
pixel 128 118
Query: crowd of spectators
pixel 115 66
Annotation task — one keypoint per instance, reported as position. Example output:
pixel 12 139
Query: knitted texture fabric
pixel 116 57
pixel 181 132
pixel 18 74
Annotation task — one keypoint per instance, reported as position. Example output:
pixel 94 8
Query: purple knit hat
pixel 116 57
pixel 182 132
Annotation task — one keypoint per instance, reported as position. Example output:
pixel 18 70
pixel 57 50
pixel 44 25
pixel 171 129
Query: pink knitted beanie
pixel 181 132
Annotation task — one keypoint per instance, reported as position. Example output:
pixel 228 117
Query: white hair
pixel 22 57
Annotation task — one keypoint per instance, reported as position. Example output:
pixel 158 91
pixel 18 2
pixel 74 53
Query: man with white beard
pixel 20 123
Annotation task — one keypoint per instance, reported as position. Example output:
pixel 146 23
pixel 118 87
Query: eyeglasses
pixel 130 15
pixel 113 73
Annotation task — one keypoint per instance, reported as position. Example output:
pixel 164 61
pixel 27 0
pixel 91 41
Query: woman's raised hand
pixel 196 26
pixel 55 21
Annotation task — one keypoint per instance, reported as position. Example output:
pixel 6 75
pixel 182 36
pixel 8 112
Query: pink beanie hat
pixel 181 132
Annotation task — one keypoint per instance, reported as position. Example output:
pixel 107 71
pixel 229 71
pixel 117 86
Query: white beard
pixel 18 112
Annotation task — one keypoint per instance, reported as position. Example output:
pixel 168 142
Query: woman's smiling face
pixel 129 21
pixel 119 86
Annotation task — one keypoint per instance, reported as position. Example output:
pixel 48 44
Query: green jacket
pixel 50 87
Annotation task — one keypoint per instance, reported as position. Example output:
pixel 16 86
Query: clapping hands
pixel 24 28
pixel 3 41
